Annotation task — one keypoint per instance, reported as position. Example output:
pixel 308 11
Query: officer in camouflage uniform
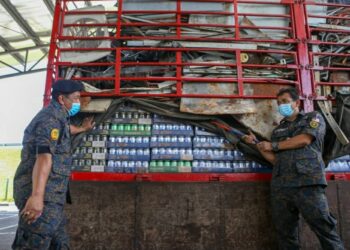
pixel 298 178
pixel 41 180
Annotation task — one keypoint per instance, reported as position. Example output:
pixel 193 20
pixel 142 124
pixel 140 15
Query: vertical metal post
pixel 235 10
pixel 307 90
pixel 178 73
pixel 239 73
pixel 178 19
pixel 7 189
pixel 119 19
pixel 117 66
pixel 52 52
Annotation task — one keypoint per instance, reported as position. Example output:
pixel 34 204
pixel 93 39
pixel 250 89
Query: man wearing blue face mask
pixel 298 179
pixel 41 179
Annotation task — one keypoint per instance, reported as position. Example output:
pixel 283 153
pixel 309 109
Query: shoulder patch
pixel 314 123
pixel 55 134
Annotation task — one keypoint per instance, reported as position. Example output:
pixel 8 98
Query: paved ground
pixel 8 225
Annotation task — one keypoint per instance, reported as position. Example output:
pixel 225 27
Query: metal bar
pixel 183 38
pixel 215 25
pixel 263 66
pixel 330 17
pixel 239 73
pixel 189 79
pixel 183 49
pixel 333 83
pixel 13 50
pixel 307 86
pixel 177 96
pixel 330 54
pixel 52 53
pixel 327 4
pixel 8 48
pixel 178 19
pixel 117 83
pixel 182 177
pixel 49 6
pixel 41 58
pixel 178 73
pixel 89 25
pixel 21 73
pixel 226 13
pixel 333 124
pixel 25 62
pixel 10 66
pixel 330 30
pixel 119 19
pixel 10 8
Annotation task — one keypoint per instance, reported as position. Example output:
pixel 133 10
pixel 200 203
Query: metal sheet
pixel 213 105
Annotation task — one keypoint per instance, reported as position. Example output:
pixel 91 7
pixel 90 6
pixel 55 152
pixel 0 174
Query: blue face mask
pixel 74 109
pixel 286 110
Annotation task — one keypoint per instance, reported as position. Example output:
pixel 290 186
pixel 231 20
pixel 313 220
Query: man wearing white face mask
pixel 298 179
pixel 41 179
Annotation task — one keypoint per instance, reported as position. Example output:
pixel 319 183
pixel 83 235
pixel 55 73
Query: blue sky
pixel 20 99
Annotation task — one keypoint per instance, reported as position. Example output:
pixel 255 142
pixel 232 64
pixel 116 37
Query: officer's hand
pixel 265 146
pixel 88 123
pixel 250 138
pixel 33 209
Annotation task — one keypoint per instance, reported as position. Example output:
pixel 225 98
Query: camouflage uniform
pixel 48 132
pixel 298 185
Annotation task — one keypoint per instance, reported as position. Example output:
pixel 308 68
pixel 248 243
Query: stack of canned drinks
pixel 134 142
pixel 129 115
pixel 170 166
pixel 172 129
pixel 127 166
pixel 130 128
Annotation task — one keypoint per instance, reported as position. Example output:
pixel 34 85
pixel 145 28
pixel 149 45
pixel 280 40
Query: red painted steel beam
pixel 186 177
pixel 307 87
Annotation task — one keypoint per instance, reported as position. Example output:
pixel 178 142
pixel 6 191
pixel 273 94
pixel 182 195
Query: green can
pixel 134 127
pixel 187 164
pixel 127 127
pixel 114 127
pixel 121 127
pixel 147 128
pixel 153 164
pixel 166 163
pixel 180 164
pixel 141 128
pixel 160 163
pixel 173 163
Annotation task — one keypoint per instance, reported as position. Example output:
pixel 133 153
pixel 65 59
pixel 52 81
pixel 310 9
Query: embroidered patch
pixel 314 123
pixel 55 134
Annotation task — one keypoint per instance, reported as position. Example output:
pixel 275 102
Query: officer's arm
pixel 298 141
pixel 87 124
pixel 35 203
pixel 268 155
pixel 41 172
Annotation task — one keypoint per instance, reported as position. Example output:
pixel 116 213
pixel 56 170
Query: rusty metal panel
pixel 344 208
pixel 214 106
pixel 246 216
pixel 112 215
pixel 102 215
pixel 178 216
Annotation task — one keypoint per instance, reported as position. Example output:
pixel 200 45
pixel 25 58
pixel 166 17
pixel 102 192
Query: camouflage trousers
pixel 47 232
pixel 311 203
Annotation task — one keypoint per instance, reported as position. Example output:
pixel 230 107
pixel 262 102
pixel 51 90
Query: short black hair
pixel 293 92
